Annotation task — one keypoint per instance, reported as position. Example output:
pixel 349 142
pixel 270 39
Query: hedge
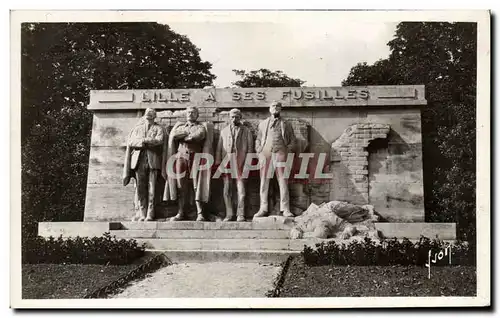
pixel 81 250
pixel 388 252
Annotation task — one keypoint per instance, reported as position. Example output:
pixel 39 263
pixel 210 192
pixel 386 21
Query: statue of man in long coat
pixel 143 159
pixel 186 140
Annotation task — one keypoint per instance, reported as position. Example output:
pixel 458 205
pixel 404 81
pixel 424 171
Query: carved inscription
pixel 298 94
pixel 164 97
pixel 324 94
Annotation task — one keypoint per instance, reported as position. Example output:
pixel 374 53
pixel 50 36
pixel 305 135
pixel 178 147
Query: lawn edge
pixel 280 278
pixel 149 266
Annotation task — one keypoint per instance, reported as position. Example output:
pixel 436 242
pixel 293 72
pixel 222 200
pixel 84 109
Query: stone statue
pixel 275 140
pixel 186 140
pixel 143 160
pixel 235 140
pixel 336 218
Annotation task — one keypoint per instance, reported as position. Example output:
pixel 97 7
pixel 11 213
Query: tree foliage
pixel 60 63
pixel 266 78
pixel 442 56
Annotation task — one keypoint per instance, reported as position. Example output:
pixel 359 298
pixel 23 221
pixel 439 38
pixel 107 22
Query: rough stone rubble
pixel 335 219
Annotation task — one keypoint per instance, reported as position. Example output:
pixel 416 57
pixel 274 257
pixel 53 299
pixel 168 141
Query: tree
pixel 266 78
pixel 380 72
pixel 61 62
pixel 442 56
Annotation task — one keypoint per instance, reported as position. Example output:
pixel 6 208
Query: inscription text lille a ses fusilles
pixel 157 96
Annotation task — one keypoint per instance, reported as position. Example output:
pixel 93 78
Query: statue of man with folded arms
pixel 188 140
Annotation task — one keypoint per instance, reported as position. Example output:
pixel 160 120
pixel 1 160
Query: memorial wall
pixel 371 138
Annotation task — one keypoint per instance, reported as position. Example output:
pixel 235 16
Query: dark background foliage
pixel 265 78
pixel 442 56
pixel 61 62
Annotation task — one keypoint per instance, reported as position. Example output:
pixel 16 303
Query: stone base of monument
pixel 261 240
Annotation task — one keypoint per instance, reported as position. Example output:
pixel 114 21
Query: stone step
pixel 250 245
pixel 202 234
pixel 444 231
pixel 226 244
pixel 266 223
pixel 233 256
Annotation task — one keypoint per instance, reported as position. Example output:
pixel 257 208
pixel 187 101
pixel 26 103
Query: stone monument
pixel 358 146
pixel 370 135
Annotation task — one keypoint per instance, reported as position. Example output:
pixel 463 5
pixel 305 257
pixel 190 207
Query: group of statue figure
pixel 149 147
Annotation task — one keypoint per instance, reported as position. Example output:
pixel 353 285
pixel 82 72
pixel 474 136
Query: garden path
pixel 205 280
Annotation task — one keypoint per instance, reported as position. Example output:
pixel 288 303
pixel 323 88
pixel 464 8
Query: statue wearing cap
pixel 235 140
pixel 143 160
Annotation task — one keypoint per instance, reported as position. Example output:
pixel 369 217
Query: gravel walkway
pixel 205 280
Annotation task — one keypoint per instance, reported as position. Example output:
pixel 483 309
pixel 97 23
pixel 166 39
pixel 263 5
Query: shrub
pixel 387 252
pixel 81 250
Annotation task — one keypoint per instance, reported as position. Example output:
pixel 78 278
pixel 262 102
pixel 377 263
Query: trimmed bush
pixel 81 250
pixel 387 252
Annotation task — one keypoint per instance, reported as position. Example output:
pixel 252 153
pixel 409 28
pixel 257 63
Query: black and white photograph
pixel 250 159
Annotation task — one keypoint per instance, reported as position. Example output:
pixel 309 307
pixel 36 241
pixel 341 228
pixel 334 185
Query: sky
pixel 318 52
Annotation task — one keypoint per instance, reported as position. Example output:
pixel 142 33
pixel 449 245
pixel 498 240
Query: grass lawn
pixel 58 281
pixel 361 281
pixel 63 281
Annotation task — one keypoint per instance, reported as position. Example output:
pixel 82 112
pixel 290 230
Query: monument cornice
pixel 346 96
